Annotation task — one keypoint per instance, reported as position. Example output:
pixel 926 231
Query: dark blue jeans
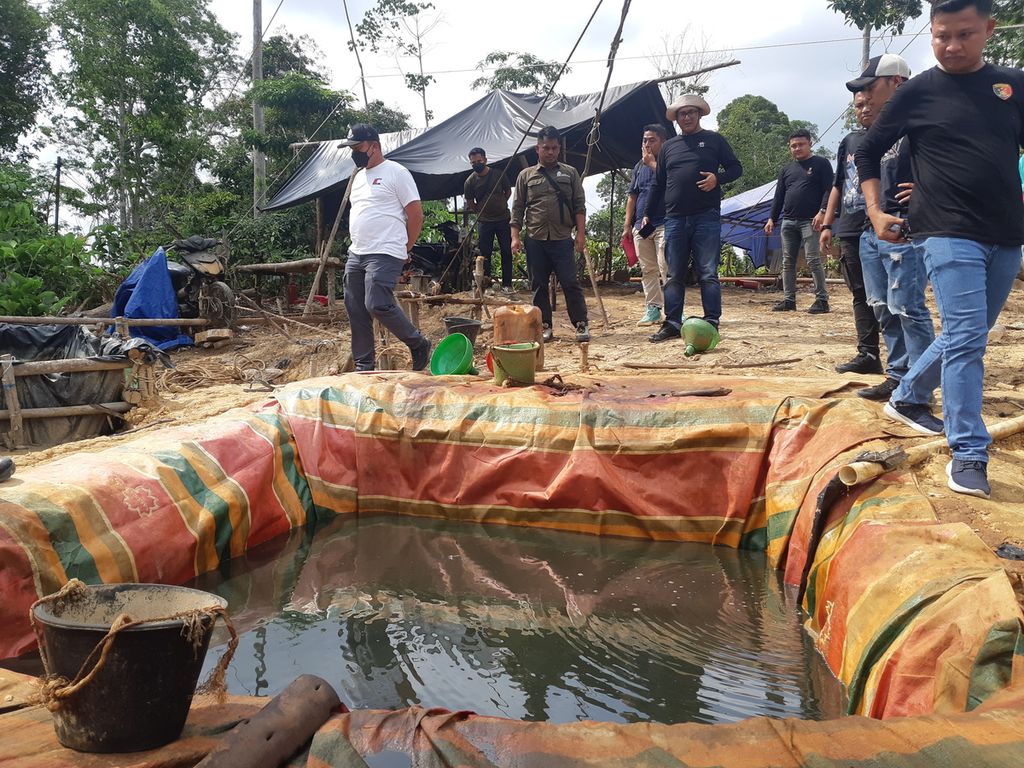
pixel 698 237
pixel 487 231
pixel 544 257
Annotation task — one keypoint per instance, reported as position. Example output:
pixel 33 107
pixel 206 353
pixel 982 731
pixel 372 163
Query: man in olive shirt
pixel 549 202
pixel 487 192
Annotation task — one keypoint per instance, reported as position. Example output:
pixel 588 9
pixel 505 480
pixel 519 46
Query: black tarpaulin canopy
pixel 436 157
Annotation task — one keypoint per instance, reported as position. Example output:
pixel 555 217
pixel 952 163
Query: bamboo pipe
pixel 858 472
pixel 97 409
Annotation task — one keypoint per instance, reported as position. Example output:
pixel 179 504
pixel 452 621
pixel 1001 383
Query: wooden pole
pixel 94 409
pixel 259 160
pixel 127 321
pixel 11 399
pixel 593 282
pixel 67 366
pixel 327 247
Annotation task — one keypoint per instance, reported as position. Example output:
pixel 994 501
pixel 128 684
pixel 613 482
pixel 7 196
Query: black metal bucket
pixel 140 697
pixel 467 326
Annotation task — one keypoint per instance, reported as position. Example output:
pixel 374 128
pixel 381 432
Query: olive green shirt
pixel 493 206
pixel 537 210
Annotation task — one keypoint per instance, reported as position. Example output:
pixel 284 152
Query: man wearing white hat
pixel 691 169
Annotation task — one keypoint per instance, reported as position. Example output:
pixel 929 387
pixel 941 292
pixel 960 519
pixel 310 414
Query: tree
pixel 877 14
pixel 681 54
pixel 604 226
pixel 520 72
pixel 136 79
pixel 758 132
pixel 23 69
pixel 400 27
pixel 1007 48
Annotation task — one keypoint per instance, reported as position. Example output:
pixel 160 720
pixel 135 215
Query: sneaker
pixel 666 332
pixel 421 355
pixel 507 289
pixel 785 306
pixel 916 416
pixel 880 392
pixel 548 334
pixel 819 307
pixel 864 362
pixel 970 477
pixel 651 317
pixel 582 331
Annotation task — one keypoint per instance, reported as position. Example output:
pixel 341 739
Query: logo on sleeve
pixel 1003 90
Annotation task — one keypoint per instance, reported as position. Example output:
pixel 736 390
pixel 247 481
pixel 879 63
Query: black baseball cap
pixel 358 133
pixel 886 65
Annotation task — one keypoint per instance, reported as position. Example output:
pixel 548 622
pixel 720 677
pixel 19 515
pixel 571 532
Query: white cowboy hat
pixel 689 100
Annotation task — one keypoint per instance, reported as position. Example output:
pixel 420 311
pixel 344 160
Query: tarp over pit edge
pixel 626 458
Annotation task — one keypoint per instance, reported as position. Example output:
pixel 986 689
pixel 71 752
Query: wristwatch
pixel 826 226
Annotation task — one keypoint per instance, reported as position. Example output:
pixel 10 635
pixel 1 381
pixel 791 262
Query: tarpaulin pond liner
pixel 913 616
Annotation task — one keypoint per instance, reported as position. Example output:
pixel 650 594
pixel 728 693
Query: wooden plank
pixel 297 267
pixel 40 367
pixel 128 321
pixel 95 409
pixel 11 399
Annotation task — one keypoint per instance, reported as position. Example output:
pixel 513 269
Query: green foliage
pixel 522 72
pixel 1007 48
pixel 877 14
pixel 137 75
pixel 23 69
pixel 20 295
pixel 758 132
pixel 604 226
pixel 32 257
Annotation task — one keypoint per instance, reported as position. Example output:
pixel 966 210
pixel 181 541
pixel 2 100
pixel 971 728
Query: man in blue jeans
pixel 691 169
pixel 894 273
pixel 965 123
pixel 802 184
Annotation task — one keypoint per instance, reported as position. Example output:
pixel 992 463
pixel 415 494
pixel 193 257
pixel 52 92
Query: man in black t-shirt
pixel 687 183
pixel 843 217
pixel 487 192
pixel 965 124
pixel 803 183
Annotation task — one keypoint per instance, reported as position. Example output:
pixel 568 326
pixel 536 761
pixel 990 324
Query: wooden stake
pixel 327 247
pixel 584 357
pixel 13 436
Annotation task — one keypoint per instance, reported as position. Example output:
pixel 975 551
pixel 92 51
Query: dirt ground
pixel 755 342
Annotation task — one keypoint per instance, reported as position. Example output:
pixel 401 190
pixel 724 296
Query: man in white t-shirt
pixel 385 220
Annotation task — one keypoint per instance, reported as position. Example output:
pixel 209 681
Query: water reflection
pixel 521 623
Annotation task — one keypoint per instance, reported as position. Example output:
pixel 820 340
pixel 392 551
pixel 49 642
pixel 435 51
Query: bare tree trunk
pixel 355 50
pixel 259 160
pixel 865 55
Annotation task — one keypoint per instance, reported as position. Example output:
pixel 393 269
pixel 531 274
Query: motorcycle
pixel 198 281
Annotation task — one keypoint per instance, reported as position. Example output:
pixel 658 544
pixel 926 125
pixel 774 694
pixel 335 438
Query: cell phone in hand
pixel 646 230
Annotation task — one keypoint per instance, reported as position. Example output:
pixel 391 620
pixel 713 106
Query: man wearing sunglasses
pixel 691 169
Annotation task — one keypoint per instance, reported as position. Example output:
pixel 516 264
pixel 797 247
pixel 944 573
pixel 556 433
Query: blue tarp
pixel 147 292
pixel 743 218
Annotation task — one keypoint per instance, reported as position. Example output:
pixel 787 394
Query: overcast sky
pixel 805 81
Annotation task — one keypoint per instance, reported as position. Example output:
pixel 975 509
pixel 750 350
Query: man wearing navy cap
pixel 385 220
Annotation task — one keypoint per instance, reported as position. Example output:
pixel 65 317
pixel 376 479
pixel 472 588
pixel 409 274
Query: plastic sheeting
pixel 147 293
pixel 911 615
pixel 437 157
pixel 34 343
pixel 743 220
pixel 437 738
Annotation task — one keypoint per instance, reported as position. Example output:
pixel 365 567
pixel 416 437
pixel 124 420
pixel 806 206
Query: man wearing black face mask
pixel 487 192
pixel 385 220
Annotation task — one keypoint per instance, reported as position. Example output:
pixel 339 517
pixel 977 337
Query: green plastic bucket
pixel 515 363
pixel 453 356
